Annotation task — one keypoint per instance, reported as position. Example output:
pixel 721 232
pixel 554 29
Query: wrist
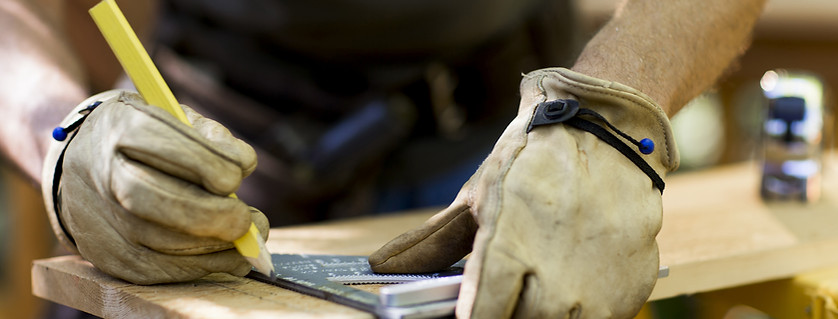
pixel 53 165
pixel 626 108
pixel 616 63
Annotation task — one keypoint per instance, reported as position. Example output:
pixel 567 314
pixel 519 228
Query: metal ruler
pixel 330 277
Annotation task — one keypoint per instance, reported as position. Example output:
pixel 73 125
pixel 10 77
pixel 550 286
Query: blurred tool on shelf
pixel 793 135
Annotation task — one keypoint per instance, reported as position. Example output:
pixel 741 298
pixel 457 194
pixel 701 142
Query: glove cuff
pixel 53 164
pixel 626 108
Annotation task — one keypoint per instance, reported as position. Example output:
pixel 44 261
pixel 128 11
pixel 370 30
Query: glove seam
pixel 661 125
pixel 498 186
pixel 510 256
pixel 648 106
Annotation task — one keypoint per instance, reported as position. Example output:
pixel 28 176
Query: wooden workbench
pixel 716 233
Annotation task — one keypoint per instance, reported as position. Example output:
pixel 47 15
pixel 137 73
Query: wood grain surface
pixel 716 234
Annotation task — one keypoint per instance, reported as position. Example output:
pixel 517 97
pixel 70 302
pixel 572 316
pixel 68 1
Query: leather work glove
pixel 559 222
pixel 143 196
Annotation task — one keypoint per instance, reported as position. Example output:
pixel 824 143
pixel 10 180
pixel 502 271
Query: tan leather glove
pixel 144 197
pixel 563 224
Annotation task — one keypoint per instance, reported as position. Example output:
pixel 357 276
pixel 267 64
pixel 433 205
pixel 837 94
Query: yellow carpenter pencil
pixel 139 67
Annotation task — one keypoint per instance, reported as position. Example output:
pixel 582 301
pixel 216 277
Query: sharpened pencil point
pixel 263 264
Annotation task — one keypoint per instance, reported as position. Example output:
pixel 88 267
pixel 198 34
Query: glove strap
pixel 568 111
pixel 60 134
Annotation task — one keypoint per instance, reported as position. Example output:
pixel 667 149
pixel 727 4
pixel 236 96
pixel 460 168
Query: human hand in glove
pixel 144 197
pixel 561 217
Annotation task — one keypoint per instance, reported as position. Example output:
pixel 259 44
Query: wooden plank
pixel 716 234
pixel 73 282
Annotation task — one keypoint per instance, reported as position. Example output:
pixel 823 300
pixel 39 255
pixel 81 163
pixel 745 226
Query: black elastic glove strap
pixel 59 169
pixel 56 191
pixel 615 142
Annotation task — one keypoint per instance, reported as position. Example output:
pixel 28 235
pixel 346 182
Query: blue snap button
pixel 646 146
pixel 59 134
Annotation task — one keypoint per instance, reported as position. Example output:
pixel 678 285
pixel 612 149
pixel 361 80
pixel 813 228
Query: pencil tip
pixel 263 264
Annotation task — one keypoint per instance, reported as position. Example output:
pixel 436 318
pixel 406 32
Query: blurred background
pixel 720 127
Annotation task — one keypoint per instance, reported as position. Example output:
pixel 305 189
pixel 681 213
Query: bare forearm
pixel 41 81
pixel 52 54
pixel 671 50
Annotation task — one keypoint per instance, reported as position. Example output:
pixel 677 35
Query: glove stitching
pixel 568 112
pixel 498 187
pixel 527 271
pixel 661 126
pixel 524 140
pixel 607 92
